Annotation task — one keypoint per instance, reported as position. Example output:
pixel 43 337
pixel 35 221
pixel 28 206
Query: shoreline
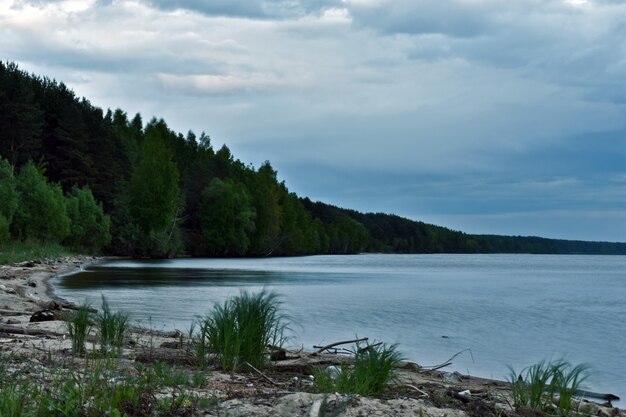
pixel 26 288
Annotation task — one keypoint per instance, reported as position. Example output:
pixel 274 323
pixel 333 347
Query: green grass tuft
pixel 546 384
pixel 78 326
pixel 112 327
pixel 372 371
pixel 240 330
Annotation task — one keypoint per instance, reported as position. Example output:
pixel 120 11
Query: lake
pixel 509 310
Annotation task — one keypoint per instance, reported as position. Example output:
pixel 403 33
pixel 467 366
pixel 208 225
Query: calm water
pixel 508 309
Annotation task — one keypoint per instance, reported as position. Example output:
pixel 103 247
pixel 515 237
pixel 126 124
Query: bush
pixel 544 384
pixel 372 371
pixel 240 330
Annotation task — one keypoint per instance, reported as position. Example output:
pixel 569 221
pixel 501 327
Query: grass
pixel 96 387
pixel 547 386
pixel 12 252
pixel 78 326
pixel 112 327
pixel 372 371
pixel 240 330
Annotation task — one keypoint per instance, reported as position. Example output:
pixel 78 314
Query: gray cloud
pixel 254 9
pixel 466 112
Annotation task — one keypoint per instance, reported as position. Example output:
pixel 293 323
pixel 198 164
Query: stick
pixel 320 349
pixel 262 374
pixel 448 362
pixel 413 387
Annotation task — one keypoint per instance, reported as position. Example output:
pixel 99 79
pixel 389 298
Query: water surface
pixel 508 309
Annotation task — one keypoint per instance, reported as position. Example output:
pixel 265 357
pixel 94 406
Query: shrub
pixel 240 330
pixel 372 371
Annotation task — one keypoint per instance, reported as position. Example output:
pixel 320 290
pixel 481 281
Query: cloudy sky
pixel 487 116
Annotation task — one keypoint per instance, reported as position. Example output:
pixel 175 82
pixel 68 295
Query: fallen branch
pixel 413 387
pixel 320 349
pixel 262 374
pixel 448 362
pixel 15 313
pixel 29 332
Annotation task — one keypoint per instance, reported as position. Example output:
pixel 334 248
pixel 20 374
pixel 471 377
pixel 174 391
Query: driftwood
pixel 448 362
pixel 178 357
pixel 29 332
pixel 15 313
pixel 263 375
pixel 320 349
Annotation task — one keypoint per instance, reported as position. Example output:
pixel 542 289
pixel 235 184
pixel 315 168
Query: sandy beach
pixel 285 389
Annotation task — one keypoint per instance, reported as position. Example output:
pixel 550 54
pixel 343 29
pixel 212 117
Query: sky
pixel 486 116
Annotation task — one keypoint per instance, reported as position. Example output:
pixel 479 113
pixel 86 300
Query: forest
pixel 104 182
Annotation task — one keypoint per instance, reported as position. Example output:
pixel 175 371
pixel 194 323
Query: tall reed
pixel 78 326
pixel 112 327
pixel 241 329
pixel 546 384
pixel 372 371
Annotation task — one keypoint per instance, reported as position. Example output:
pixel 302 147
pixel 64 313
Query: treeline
pixel 151 192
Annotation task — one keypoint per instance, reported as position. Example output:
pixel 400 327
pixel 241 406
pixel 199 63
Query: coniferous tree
pixel 227 218
pixel 8 198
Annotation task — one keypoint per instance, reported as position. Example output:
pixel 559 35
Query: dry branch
pixel 320 349
pixel 29 332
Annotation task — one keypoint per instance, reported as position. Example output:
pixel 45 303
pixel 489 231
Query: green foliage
pixel 538 386
pixel 78 327
pixel 12 252
pixel 111 326
pixel 240 330
pixel 372 371
pixel 227 217
pixel 153 200
pixel 89 228
pixel 8 199
pixel 153 189
pixel 41 214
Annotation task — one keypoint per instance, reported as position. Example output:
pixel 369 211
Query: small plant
pixel 542 385
pixel 112 327
pixel 78 327
pixel 240 330
pixel 372 371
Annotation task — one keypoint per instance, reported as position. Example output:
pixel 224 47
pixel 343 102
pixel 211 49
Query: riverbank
pixel 285 389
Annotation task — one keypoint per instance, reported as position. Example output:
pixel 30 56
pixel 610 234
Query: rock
pixel 32 284
pixel 170 345
pixel 42 315
pixel 13 321
pixel 530 412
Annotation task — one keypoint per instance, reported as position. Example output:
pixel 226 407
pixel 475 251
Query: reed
pixel 371 373
pixel 240 329
pixel 111 326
